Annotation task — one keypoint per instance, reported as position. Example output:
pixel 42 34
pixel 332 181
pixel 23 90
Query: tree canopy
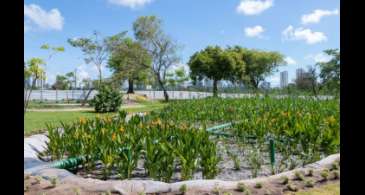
pixel 330 71
pixel 129 60
pixel 163 50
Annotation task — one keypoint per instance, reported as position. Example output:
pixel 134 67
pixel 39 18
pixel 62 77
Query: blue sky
pixel 300 30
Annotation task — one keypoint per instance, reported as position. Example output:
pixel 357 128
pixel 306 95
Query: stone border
pixel 34 166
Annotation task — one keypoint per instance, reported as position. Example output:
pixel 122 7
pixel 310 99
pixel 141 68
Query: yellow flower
pixel 121 129
pixel 331 120
pixel 82 120
pixel 114 136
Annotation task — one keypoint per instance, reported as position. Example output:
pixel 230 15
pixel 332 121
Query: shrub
pixel 292 187
pixel 54 181
pixel 258 185
pixel 336 174
pixel 241 187
pixel 299 176
pixel 335 166
pixel 183 188
pixel 107 100
pixel 310 172
pixel 324 174
pixel 284 180
pixel 309 183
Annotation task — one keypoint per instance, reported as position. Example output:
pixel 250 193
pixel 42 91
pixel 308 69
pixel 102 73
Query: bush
pixel 107 100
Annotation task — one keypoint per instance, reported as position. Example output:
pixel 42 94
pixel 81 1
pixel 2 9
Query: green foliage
pixel 258 185
pixel 292 187
pixel 325 174
pixel 299 175
pixel 129 60
pixel 241 187
pixel 309 183
pixel 284 180
pixel 215 63
pixel 336 174
pixel 183 188
pixel 119 145
pixel 330 71
pixel 107 100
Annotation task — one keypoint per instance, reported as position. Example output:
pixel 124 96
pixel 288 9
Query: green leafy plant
pixel 310 172
pixel 54 181
pixel 258 185
pixel 299 175
pixel 292 187
pixel 183 189
pixel 216 190
pixel 255 161
pixel 284 180
pixel 241 187
pixel 336 174
pixel 107 100
pixel 324 174
pixel 309 183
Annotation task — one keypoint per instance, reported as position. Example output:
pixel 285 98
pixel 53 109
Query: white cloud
pixel 255 31
pixel 303 34
pixel 254 7
pixel 316 15
pixel 290 61
pixel 82 73
pixel 320 57
pixel 48 20
pixel 130 3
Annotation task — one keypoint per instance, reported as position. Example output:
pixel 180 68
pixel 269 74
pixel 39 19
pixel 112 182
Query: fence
pixel 63 95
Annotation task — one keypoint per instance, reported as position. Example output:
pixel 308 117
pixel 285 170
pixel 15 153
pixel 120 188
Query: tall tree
pixel 62 83
pixel 216 64
pixel 148 30
pixel 129 60
pixel 330 71
pixel 32 70
pixel 95 50
pixel 258 64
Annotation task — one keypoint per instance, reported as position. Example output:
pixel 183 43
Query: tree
pixel 35 72
pixel 216 64
pixel 177 77
pixel 71 78
pixel 53 50
pixel 330 71
pixel 129 60
pixel 258 64
pixel 148 31
pixel 95 50
pixel 61 83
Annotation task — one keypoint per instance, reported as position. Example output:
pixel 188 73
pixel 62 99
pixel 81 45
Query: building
pixel 300 73
pixel 284 79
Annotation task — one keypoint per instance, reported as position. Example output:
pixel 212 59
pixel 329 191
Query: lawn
pixel 35 122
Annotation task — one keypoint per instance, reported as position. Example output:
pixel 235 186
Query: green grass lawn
pixel 35 122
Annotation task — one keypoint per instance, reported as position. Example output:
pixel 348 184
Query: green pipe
pixel 68 163
pixel 217 127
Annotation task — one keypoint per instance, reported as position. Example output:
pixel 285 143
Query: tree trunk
pixel 86 97
pixel 215 88
pixel 166 95
pixel 130 86
pixel 28 96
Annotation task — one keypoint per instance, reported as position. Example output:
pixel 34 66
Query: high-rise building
pixel 300 73
pixel 284 79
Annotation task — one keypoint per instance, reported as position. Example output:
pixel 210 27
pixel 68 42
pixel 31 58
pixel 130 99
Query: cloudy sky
pixel 300 30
